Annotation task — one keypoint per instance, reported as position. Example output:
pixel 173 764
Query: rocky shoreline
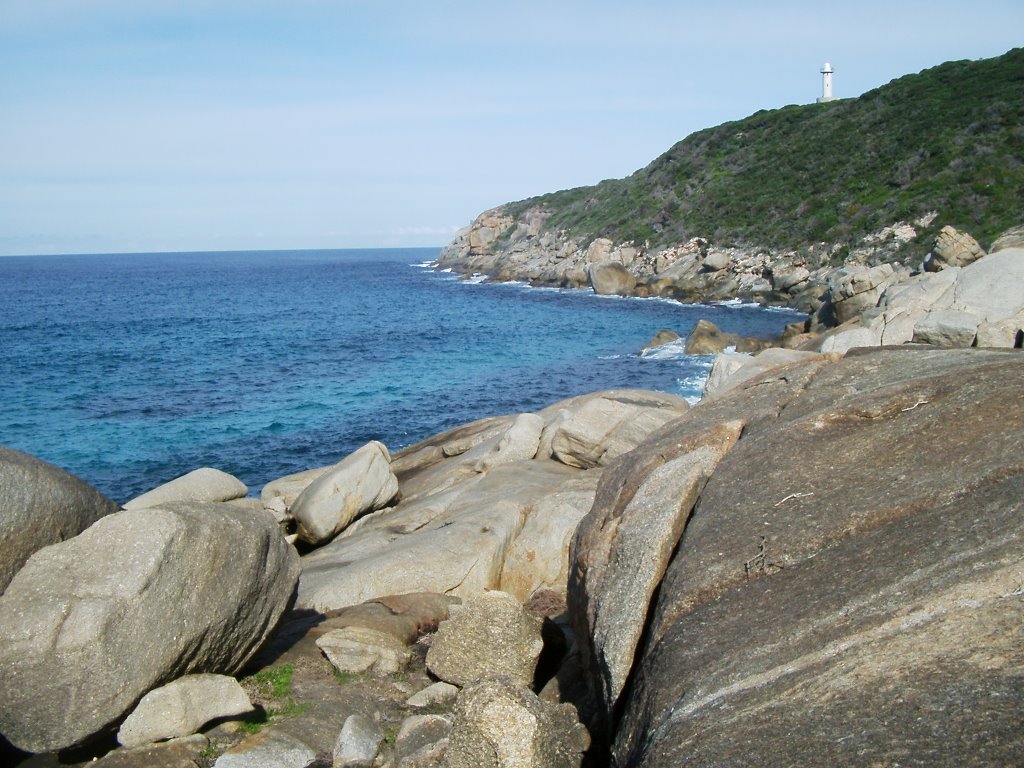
pixel 820 562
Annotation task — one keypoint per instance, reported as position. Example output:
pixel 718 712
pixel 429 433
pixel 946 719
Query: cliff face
pixel 508 248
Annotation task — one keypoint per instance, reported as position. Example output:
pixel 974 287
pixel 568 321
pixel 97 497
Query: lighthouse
pixel 826 84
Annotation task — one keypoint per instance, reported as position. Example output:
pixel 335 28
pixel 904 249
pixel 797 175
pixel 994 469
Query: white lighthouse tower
pixel 826 84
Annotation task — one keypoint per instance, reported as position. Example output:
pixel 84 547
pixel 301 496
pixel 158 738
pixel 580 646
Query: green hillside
pixel 950 139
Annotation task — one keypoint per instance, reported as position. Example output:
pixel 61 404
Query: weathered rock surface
pixel 359 483
pixel 418 733
pixel 835 579
pixel 489 635
pixel 203 484
pixel 498 725
pixel 450 542
pixel 661 338
pixel 42 504
pixel 952 249
pixel 855 288
pixel 598 428
pixel 433 695
pixel 181 707
pixel 519 442
pixel 140 598
pixel 287 489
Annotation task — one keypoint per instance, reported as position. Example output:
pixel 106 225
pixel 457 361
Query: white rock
pixel 180 708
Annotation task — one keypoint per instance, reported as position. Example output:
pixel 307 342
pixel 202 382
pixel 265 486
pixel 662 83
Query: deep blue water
pixel 129 370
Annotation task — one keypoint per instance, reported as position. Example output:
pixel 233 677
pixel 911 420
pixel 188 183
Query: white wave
pixel 425 265
pixel 736 304
pixel 611 357
pixel 447 269
pixel 475 279
pixel 674 350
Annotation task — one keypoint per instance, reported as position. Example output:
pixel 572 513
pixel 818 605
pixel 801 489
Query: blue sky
pixel 148 125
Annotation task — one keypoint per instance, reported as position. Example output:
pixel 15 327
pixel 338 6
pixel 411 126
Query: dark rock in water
pixel 706 338
pixel 847 588
pixel 90 625
pixel 42 504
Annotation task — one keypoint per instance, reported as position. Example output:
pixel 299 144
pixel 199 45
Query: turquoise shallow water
pixel 129 370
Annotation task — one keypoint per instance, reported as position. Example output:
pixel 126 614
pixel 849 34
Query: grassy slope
pixel 950 139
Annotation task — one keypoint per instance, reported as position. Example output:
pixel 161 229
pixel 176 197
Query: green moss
pixel 270 683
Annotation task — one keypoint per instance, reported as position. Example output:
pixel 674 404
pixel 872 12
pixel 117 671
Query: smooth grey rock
pixel 992 287
pixel 142 597
pixel 610 278
pixel 489 635
pixel 946 328
pixel 182 707
pixel 358 743
pixel 203 484
pixel 42 505
pixel 359 483
pixel 355 649
pixel 268 749
pixel 498 725
pixel 433 695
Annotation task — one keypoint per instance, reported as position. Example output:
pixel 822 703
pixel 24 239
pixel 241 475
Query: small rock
pixel 491 635
pixel 716 261
pixel 359 649
pixel 440 693
pixel 661 338
pixel 203 484
pixel 180 708
pixel 418 732
pixel 517 444
pixel 358 742
pixel 946 328
pixel 268 749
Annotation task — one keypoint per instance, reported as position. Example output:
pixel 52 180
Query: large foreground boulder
pixel 42 504
pixel 90 625
pixel 610 278
pixel 846 588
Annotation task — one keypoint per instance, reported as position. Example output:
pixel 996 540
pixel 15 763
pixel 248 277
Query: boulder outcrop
pixel 952 249
pixel 610 278
pixel 359 483
pixel 42 504
pixel 831 576
pixel 89 625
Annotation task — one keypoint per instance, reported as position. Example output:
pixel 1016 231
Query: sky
pixel 185 125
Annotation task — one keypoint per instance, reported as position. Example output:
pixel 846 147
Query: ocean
pixel 131 369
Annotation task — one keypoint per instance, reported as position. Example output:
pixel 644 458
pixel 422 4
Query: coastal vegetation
pixel 948 140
